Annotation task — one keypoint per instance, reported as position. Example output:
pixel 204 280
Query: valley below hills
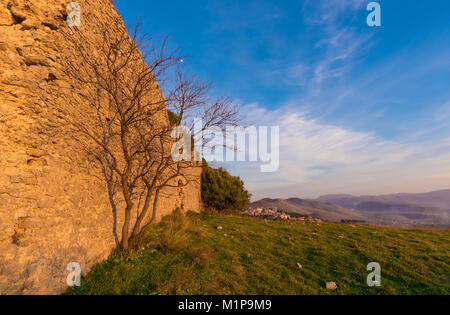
pixel 424 209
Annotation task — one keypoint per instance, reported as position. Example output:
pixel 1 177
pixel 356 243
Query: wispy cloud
pixel 443 112
pixel 340 44
pixel 327 12
pixel 318 158
pixel 237 15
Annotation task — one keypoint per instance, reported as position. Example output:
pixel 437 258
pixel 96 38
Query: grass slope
pixel 252 256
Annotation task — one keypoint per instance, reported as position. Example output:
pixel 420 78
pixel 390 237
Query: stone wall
pixel 54 205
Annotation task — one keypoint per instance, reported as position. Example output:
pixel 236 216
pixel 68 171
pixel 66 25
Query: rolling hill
pixel 322 210
pixel 431 208
pixel 426 209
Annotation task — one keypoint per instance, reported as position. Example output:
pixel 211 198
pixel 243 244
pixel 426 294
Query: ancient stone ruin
pixel 54 206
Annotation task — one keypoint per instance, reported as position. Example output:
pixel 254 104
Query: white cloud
pixel 318 158
pixel 326 12
pixel 341 44
pixel 443 112
pixel 298 74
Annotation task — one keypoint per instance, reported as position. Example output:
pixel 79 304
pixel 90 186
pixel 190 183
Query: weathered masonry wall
pixel 54 207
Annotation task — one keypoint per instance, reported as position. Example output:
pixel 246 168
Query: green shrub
pixel 222 191
pixel 173 118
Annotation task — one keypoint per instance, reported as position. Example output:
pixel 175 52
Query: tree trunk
pixel 155 206
pixel 126 224
pixel 154 209
pixel 114 211
pixel 137 227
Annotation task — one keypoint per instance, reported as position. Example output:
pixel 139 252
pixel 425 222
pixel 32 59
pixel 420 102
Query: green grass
pixel 258 257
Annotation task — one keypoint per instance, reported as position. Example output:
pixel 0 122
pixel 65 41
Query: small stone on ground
pixel 332 286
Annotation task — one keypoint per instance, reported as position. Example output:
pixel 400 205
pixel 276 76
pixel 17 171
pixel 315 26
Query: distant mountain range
pixel 425 209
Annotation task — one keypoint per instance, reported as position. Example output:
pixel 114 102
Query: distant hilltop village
pixel 277 215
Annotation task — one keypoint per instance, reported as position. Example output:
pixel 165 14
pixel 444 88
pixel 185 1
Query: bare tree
pixel 118 85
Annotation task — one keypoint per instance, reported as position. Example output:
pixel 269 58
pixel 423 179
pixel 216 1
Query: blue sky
pixel 361 110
